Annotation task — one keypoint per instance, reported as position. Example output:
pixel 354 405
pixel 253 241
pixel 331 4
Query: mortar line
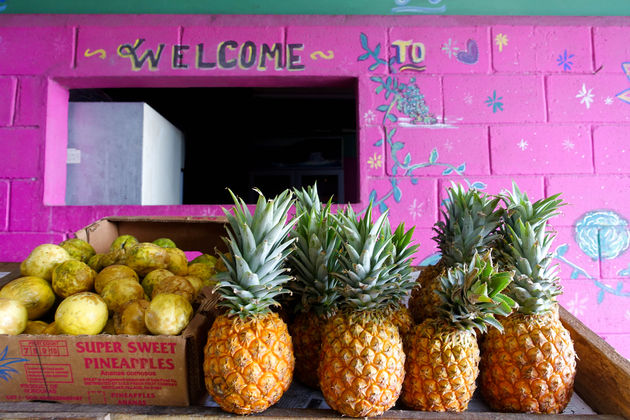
pixel 16 99
pixel 75 46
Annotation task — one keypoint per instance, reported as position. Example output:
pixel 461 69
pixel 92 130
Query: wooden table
pixel 602 382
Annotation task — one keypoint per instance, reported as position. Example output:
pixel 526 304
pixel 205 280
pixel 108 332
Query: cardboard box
pixel 117 369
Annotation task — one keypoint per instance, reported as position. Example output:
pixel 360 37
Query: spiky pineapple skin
pixel 306 332
pixel 441 368
pixel 530 367
pixel 424 303
pixel 362 364
pixel 248 363
pixel 401 318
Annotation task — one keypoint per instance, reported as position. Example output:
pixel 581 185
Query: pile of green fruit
pixel 135 288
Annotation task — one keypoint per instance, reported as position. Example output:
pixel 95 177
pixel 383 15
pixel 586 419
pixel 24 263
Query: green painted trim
pixel 324 7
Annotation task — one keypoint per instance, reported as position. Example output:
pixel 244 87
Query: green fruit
pixel 165 243
pixel 78 249
pixel 205 259
pixel 118 293
pixel 111 273
pixel 154 278
pixel 177 262
pixel 123 242
pixel 33 292
pixel 42 260
pixel 146 257
pixel 82 313
pixel 72 277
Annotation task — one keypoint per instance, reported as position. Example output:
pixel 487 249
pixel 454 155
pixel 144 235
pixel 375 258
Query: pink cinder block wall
pixel 544 101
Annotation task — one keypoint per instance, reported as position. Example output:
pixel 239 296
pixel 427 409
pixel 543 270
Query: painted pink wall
pixel 543 101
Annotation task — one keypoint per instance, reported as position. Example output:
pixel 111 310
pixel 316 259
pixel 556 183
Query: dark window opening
pixel 269 138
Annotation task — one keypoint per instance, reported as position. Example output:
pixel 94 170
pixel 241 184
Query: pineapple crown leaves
pixel 536 282
pixel 471 294
pixel 471 221
pixel 259 244
pixel 315 255
pixel 374 263
pixel 519 207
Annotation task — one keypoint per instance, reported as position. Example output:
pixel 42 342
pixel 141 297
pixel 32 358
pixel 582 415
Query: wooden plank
pixel 603 375
pixel 8 272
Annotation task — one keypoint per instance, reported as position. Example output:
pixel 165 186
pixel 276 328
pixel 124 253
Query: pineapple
pixel 470 225
pixel 248 358
pixel 313 260
pixel 531 367
pixel 442 353
pixel 362 360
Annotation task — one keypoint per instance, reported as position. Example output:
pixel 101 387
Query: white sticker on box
pixel 74 156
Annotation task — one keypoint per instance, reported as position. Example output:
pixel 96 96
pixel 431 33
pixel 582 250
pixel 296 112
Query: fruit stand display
pixel 339 280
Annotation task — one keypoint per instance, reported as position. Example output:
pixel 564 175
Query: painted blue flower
pixel 564 60
pixel 602 234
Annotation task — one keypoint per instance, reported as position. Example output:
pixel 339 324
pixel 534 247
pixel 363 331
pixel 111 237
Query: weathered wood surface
pixel 603 375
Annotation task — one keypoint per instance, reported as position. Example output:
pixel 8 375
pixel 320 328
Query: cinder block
pixel 407 100
pixel 588 98
pixel 4 205
pixel 512 50
pixel 17 246
pixel 592 302
pixel 339 50
pixel 563 49
pixel 621 342
pixel 145 50
pixel 31 102
pixel 612 149
pixel 541 149
pixel 7 105
pixel 35 50
pixel 440 50
pixel 493 99
pixel 611 48
pixel 22 152
pixel 372 152
pixel 423 150
pixel 576 254
pixel 427 253
pixel 244 50
pixel 27 211
pixel 533 185
pixel 592 199
pixel 407 200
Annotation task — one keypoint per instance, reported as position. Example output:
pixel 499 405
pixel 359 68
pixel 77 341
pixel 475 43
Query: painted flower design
pixel 602 235
pixel 411 103
pixel 577 305
pixel 375 161
pixel 416 209
pixel 586 96
pixel 568 144
pixel 501 40
pixel 450 48
pixel 369 117
pixel 522 144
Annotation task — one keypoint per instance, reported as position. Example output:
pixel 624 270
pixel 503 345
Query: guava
pixel 204 259
pixel 13 317
pixel 119 292
pixel 42 260
pixel 111 273
pixel 168 314
pixel 146 257
pixel 202 271
pixel 196 283
pixel 81 313
pixel 154 277
pixel 95 262
pixel 35 327
pixel 78 249
pixel 176 285
pixel 130 320
pixel 33 292
pixel 165 243
pixel 123 242
pixel 72 277
pixel 178 263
